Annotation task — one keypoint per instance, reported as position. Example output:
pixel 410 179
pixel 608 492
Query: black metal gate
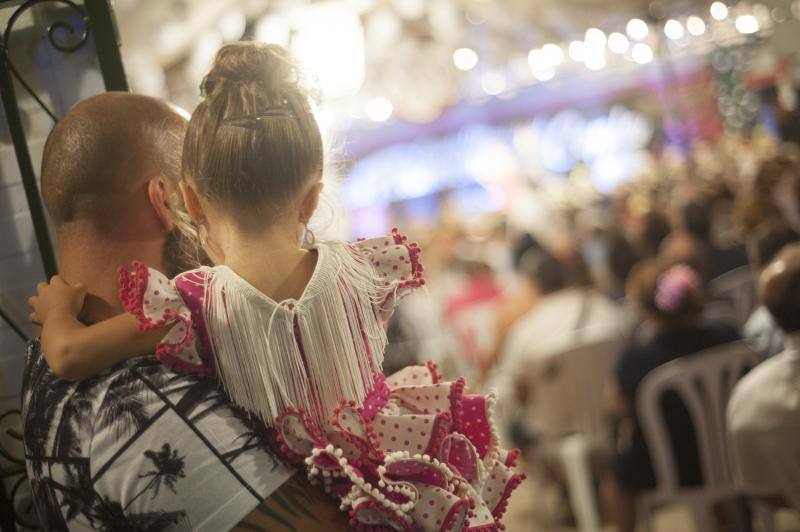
pixel 71 28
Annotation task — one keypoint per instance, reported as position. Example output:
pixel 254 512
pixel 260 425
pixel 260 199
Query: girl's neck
pixel 271 260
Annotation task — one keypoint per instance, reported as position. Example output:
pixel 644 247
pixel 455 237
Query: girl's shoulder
pixel 391 247
pixel 191 285
pixel 389 258
pixel 198 274
pixel 387 268
pixel 141 288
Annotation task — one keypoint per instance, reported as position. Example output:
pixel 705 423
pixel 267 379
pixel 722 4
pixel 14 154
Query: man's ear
pixel 310 201
pixel 192 202
pixel 158 191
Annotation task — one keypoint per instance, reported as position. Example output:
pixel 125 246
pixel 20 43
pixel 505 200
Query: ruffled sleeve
pixel 397 266
pixel 156 302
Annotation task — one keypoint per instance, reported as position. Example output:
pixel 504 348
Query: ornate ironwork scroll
pixel 55 33
pixel 56 29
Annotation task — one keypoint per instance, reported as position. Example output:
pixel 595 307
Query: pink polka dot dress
pixel 405 452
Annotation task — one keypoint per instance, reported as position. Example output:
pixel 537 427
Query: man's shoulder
pixel 143 440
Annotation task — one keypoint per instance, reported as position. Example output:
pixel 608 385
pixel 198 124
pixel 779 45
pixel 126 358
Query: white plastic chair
pixel 567 403
pixel 735 289
pixel 704 382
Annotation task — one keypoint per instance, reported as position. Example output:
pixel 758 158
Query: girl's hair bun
pixel 247 65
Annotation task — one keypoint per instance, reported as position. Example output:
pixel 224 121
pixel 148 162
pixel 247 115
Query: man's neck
pixel 93 262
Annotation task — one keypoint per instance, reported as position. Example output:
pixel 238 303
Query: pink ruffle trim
pixel 164 354
pixel 132 287
pixel 294 458
pixel 414 252
pixel 502 505
pixel 455 514
pixel 433 367
pixel 132 290
pixel 402 522
pixel 382 486
pixel 456 407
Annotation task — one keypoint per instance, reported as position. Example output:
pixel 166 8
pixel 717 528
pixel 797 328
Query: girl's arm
pixel 75 351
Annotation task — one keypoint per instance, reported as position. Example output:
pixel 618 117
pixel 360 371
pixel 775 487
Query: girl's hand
pixel 56 298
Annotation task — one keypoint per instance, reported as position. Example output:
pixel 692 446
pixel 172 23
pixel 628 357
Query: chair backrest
pixel 567 388
pixel 737 289
pixel 703 381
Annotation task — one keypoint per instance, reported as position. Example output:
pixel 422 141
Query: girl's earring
pixel 308 238
pixel 202 233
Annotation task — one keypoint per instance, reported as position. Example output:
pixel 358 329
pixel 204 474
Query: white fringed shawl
pixel 254 339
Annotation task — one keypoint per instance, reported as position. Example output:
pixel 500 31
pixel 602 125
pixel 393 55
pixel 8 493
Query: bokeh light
pixel 379 109
pixel 637 29
pixel 673 29
pixel 719 10
pixel 695 26
pixel 465 58
pixel 642 53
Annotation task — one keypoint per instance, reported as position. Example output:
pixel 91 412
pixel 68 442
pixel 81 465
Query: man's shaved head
pixel 104 149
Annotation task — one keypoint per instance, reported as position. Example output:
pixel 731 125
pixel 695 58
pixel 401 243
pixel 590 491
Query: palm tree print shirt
pixel 140 447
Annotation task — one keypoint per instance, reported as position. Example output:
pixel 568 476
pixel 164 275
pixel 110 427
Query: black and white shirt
pixel 140 448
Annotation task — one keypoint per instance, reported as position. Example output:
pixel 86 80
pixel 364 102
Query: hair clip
pixel 255 121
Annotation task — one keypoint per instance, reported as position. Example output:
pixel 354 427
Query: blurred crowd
pixel 567 318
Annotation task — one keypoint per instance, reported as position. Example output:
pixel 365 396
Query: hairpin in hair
pixel 255 121
pixel 203 86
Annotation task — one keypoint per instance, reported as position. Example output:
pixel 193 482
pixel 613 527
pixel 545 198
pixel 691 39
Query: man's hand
pixel 296 506
pixel 56 298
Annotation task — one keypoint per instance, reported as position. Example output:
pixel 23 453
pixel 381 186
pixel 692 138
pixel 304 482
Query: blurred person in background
pixel 655 228
pixel 469 316
pixel 621 257
pixel 785 111
pixel 517 299
pixel 555 323
pixel 773 194
pixel 669 301
pixel 764 410
pixel 764 244
pixel 721 202
pixel 696 220
pixel 778 181
pixel 681 247
pixel 752 210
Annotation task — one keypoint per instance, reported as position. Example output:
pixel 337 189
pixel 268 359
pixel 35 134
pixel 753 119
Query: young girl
pixel 295 333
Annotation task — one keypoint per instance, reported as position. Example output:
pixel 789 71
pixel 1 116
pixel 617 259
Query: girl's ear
pixel 192 202
pixel 158 192
pixel 310 202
